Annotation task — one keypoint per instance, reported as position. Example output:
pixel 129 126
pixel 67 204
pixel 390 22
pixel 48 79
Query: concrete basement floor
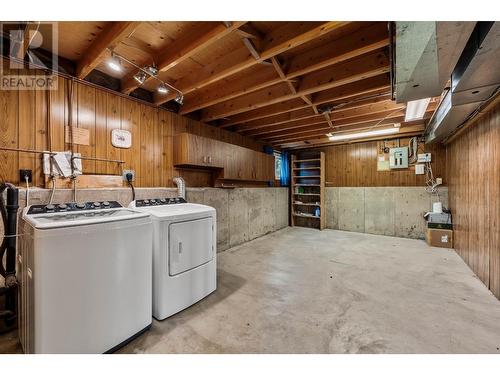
pixel 299 290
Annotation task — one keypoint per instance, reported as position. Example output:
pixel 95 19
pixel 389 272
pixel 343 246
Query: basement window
pixel 277 165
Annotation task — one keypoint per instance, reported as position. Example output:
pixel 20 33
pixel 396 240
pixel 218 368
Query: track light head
pixel 162 89
pixel 179 99
pixel 151 69
pixel 115 63
pixel 140 77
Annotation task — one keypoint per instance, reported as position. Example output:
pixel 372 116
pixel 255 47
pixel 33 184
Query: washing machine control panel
pixel 69 207
pixel 158 202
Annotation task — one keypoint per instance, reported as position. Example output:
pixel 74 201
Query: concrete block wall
pixel 391 211
pixel 242 214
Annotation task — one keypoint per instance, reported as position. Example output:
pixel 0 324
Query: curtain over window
pixel 285 169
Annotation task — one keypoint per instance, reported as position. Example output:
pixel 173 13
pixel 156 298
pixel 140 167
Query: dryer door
pixel 190 245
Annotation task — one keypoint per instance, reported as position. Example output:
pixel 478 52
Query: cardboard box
pixel 440 238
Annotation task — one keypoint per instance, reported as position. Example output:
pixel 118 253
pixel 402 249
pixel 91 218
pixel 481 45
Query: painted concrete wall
pixel 391 211
pixel 242 214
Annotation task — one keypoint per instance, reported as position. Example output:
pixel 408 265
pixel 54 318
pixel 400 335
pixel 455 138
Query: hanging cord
pixel 27 191
pixel 70 123
pixel 130 177
pixel 49 141
pixel 432 186
pixel 413 150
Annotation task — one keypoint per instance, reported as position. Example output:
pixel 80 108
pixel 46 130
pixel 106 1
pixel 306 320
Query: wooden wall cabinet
pixel 236 162
pixel 194 151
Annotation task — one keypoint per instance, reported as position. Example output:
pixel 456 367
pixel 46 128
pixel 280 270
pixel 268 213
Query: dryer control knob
pixel 80 205
pixel 62 206
pixel 50 207
pixel 153 201
pixel 163 200
pixel 97 204
pixel 105 204
pixel 146 201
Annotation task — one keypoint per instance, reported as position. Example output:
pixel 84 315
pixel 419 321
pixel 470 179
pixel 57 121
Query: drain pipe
pixel 181 187
pixel 8 250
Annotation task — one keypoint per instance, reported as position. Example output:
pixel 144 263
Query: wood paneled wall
pixel 24 124
pixel 355 164
pixel 474 194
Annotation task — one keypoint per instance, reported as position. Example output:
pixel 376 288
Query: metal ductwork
pixel 476 78
pixel 426 54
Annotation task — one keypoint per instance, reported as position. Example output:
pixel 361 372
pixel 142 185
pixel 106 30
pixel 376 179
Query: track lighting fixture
pixel 140 77
pixel 163 89
pixel 115 63
pixel 152 70
pixel 179 99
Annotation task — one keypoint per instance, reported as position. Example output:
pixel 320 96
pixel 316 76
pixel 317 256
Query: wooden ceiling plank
pixel 220 70
pixel 183 49
pixel 366 40
pixel 108 38
pixel 366 66
pixel 371 86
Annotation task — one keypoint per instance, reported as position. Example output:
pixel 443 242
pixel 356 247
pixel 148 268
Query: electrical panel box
pixel 424 158
pixel 398 157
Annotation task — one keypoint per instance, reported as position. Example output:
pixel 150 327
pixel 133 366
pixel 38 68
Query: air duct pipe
pixel 181 187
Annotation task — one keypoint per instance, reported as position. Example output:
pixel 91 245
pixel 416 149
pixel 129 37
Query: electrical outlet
pixel 125 172
pixel 439 181
pixel 419 169
pixel 23 173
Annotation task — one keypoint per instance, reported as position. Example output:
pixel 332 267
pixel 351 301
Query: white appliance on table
pixel 184 253
pixel 86 277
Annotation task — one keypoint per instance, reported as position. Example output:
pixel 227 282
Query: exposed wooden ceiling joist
pixel 383 102
pixel 324 141
pixel 362 67
pixel 108 38
pixel 273 44
pixel 372 86
pixel 323 128
pixel 364 41
pixel 185 48
pixel 362 120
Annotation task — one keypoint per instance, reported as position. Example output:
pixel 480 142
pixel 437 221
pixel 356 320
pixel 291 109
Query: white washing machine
pixel 184 253
pixel 86 277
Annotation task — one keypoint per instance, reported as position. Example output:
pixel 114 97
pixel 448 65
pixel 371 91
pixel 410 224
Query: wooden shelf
pixel 313 196
pixel 307 216
pixel 305 160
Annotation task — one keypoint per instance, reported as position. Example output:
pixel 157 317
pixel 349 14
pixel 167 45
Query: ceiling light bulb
pixel 162 89
pixel 415 109
pixel 370 133
pixel 140 77
pixel 115 63
pixel 179 99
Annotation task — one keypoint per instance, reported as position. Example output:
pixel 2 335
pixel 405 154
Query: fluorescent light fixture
pixel 415 110
pixel 369 133
pixel 162 89
pixel 115 63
